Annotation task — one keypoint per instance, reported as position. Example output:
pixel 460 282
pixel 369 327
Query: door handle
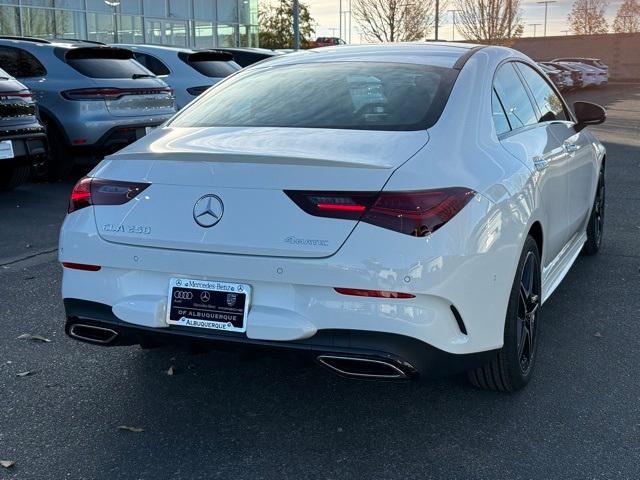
pixel 540 163
pixel 570 147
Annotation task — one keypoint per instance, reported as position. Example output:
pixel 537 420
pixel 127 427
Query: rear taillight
pixel 195 91
pixel 412 213
pixel 112 93
pixel 358 292
pixel 99 191
pixel 20 94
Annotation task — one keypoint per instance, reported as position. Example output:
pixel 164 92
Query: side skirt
pixel 555 272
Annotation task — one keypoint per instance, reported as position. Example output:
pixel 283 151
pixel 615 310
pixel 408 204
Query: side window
pixel 151 63
pixel 515 99
pixel 499 117
pixel 550 105
pixel 19 63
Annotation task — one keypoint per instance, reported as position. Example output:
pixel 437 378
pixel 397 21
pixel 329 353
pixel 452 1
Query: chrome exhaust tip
pixel 365 368
pixel 92 334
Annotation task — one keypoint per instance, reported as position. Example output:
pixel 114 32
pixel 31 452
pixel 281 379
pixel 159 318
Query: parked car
pixel 283 210
pixel 573 76
pixel 189 72
pixel 592 76
pixel 248 56
pixel 93 99
pixel 594 62
pixel 23 139
pixel 556 76
pixel 328 42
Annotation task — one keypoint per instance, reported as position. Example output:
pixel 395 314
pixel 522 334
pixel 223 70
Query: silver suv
pixel 93 99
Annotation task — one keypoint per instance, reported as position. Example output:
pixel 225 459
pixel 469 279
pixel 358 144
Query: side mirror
pixel 588 114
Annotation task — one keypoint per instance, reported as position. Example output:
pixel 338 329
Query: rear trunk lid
pixel 247 169
pixel 128 88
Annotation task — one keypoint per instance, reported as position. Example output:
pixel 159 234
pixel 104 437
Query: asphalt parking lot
pixel 225 415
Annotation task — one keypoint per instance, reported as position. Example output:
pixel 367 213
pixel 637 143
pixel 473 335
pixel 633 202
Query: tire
pixel 11 178
pixel 595 227
pixel 513 366
pixel 59 162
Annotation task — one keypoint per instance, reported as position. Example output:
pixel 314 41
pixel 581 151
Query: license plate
pixel 208 304
pixel 6 149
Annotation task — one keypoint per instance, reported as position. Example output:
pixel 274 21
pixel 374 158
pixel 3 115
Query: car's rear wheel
pixel 60 161
pixel 595 227
pixel 512 367
pixel 13 177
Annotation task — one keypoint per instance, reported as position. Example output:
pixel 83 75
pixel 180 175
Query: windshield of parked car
pixel 343 95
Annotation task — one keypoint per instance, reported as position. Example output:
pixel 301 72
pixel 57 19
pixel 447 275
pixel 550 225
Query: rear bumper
pixel 113 140
pixel 412 356
pixel 29 146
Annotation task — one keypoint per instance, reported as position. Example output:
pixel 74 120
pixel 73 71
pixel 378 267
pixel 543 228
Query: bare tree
pixel 587 17
pixel 490 21
pixel 628 17
pixel 396 20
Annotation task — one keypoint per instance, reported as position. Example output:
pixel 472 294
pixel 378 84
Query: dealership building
pixel 192 23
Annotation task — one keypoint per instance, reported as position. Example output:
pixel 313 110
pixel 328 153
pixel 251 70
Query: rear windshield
pixel 344 95
pixel 102 63
pixel 212 64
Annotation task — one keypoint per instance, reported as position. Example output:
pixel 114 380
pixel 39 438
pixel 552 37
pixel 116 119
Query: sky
pixel 325 13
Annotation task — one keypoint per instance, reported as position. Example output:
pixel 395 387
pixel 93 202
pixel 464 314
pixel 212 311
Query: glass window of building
pixel 70 4
pixel 227 11
pixel 101 27
pixel 179 9
pixel 130 29
pixel 203 9
pixel 155 8
pixel 99 6
pixel 153 31
pixel 38 22
pixel 9 21
pixel 175 33
pixel 70 24
pixel 133 7
pixel 38 3
pixel 204 35
pixel 227 35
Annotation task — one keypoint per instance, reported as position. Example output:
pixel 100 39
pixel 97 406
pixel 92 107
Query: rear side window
pixel 514 97
pixel 344 95
pixel 20 63
pixel 499 117
pixel 549 104
pixel 151 63
pixel 211 64
pixel 105 63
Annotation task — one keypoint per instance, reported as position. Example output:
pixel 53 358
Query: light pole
pixel 535 26
pixel 453 12
pixel 437 18
pixel 296 25
pixel 546 7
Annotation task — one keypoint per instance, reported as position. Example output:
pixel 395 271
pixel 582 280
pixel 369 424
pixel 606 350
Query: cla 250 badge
pixel 137 229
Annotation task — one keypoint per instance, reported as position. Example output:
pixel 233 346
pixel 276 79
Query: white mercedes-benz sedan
pixel 388 210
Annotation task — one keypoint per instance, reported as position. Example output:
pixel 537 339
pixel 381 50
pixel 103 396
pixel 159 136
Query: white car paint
pixel 469 263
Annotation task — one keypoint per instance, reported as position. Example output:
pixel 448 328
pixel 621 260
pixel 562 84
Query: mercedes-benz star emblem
pixel 208 211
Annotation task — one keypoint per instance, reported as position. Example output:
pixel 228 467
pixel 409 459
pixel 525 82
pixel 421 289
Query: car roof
pixel 54 42
pixel 248 49
pixel 444 54
pixel 151 47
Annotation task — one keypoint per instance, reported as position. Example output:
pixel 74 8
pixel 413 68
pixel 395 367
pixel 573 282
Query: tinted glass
pixel 215 69
pixel 19 63
pixel 353 95
pixel 107 67
pixel 151 63
pixel 515 99
pixel 548 102
pixel 499 117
